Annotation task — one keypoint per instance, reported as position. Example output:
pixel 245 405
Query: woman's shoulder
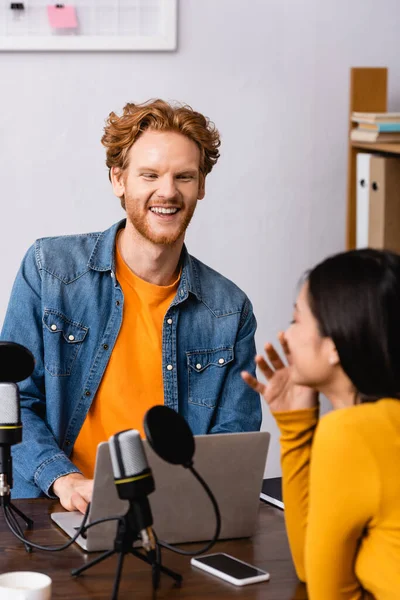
pixel 370 419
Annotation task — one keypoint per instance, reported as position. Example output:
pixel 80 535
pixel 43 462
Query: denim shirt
pixel 66 306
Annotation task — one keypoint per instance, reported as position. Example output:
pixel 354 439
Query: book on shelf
pixel 369 117
pixel 271 491
pixel 381 127
pixel 363 135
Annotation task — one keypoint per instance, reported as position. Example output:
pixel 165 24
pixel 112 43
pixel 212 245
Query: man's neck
pixel 157 264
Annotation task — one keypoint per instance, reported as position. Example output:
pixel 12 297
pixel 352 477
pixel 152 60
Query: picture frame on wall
pixel 89 25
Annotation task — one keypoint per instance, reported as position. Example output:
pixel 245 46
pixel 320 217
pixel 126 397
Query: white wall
pixel 273 75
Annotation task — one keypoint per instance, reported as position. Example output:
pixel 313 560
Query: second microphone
pixel 134 480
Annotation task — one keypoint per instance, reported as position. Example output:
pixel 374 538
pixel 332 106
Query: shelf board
pixel 374 147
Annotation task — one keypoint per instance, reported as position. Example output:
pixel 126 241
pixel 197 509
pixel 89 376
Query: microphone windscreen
pixel 127 453
pixel 16 362
pixel 169 435
pixel 10 412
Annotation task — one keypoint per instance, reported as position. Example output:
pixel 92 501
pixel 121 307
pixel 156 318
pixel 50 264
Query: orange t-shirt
pixel 133 380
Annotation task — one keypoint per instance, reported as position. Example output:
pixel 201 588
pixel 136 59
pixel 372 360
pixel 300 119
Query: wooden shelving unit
pixel 368 93
pixel 387 148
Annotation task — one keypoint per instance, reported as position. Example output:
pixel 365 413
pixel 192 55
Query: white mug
pixel 25 585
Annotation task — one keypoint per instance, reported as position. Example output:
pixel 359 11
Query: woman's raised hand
pixel 280 393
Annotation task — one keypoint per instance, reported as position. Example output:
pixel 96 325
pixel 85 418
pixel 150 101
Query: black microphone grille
pixel 127 453
pixel 10 413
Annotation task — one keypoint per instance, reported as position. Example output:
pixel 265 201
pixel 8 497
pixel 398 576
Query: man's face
pixel 161 185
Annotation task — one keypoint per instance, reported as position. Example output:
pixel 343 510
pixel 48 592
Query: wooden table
pixel 268 549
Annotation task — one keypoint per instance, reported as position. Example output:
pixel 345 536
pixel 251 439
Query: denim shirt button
pixel 87 393
pixel 169 321
pixel 53 327
pixel 169 367
pixel 67 443
pixel 198 366
pixel 117 303
pixel 221 361
pixel 105 346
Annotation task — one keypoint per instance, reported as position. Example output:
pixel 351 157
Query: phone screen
pixel 230 566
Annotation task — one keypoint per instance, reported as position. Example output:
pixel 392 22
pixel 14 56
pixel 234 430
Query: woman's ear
pixel 333 357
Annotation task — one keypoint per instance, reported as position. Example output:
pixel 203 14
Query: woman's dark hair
pixel 355 297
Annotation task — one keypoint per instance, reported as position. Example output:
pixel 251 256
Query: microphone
pixel 16 364
pixel 10 432
pixel 169 435
pixel 134 480
pixel 172 439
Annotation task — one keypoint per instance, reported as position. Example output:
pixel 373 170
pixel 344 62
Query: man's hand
pixel 74 491
pixel 280 393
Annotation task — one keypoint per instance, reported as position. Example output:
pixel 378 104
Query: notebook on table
pixel 271 491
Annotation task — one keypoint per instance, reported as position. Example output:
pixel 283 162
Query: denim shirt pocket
pixel 63 339
pixel 207 370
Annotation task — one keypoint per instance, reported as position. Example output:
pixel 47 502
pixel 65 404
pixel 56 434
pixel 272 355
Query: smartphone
pixel 229 568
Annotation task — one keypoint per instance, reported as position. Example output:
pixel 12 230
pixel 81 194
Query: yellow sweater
pixel 341 489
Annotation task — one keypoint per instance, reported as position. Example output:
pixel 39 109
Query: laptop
pixel 231 464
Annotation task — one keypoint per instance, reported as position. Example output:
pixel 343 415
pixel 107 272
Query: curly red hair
pixel 120 133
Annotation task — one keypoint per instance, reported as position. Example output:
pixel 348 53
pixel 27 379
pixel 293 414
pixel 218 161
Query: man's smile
pixel 163 210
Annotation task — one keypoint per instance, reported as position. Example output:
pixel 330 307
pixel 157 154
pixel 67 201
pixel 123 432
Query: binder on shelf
pixel 384 203
pixel 362 199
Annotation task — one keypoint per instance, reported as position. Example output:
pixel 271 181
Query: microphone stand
pixel 127 534
pixel 16 364
pixel 11 510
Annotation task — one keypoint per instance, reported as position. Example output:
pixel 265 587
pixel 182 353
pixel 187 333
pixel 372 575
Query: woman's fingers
pixel 253 382
pixel 264 366
pixel 285 346
pixel 274 357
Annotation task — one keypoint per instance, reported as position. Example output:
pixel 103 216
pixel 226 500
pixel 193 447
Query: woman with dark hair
pixel 341 475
